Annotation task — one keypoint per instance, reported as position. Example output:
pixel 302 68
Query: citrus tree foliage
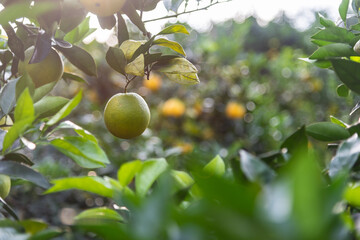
pixel 287 193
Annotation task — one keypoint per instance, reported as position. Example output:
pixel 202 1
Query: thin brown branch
pixel 186 12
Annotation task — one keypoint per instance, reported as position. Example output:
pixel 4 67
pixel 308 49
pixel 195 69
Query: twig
pixel 128 81
pixel 186 12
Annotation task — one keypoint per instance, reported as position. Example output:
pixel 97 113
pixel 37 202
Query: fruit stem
pixel 128 81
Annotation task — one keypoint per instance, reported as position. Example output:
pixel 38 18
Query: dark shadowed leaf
pixel 17 170
pixel 81 59
pixel 42 48
pixel 134 17
pixel 116 59
pixel 348 72
pixel 107 22
pixel 122 33
pixel 18 157
pixel 8 96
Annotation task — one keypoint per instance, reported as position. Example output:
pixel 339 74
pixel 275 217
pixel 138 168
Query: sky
pixel 301 11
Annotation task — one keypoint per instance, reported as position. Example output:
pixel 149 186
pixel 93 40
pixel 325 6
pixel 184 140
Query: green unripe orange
pixel 47 71
pixel 126 115
pixel 103 8
pixel 5 185
pixel 352 195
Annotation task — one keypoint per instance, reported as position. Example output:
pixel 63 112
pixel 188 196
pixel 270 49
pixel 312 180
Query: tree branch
pixel 186 12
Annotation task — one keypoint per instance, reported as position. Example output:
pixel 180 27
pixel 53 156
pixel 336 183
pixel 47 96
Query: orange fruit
pixel 5 185
pixel 235 110
pixel 153 83
pixel 47 71
pixel 173 107
pixel 103 8
pixel 126 115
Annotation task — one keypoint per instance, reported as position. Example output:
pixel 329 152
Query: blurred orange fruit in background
pixel 235 110
pixel 153 83
pixel 173 107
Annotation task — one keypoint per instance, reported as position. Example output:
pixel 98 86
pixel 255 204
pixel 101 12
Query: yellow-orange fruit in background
pixel 173 107
pixel 126 115
pixel 5 185
pixel 235 110
pixel 153 83
pixel 103 8
pixel 48 70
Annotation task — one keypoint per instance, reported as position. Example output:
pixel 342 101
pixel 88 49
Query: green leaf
pixel 84 152
pixel 101 213
pixel 348 72
pixel 109 230
pixel 335 35
pixel 46 234
pixel 150 171
pixel 79 130
pixel 80 32
pixel 215 167
pixel 18 157
pixel 134 16
pixel 327 131
pixel 17 170
pixel 170 44
pixel 127 172
pixel 179 70
pixel 255 169
pixel 326 22
pixel 338 122
pixel 80 59
pixel 136 67
pixel 40 92
pixel 176 28
pixel 92 184
pixel 15 132
pixel 66 110
pixel 25 82
pixel 343 9
pixel 182 179
pixel 8 96
pixel 346 156
pixel 33 226
pixel 122 32
pixel 333 50
pixel 342 90
pixel 50 105
pixel 129 47
pixel 116 59
pixel 297 140
pixel 71 76
pixel 24 116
